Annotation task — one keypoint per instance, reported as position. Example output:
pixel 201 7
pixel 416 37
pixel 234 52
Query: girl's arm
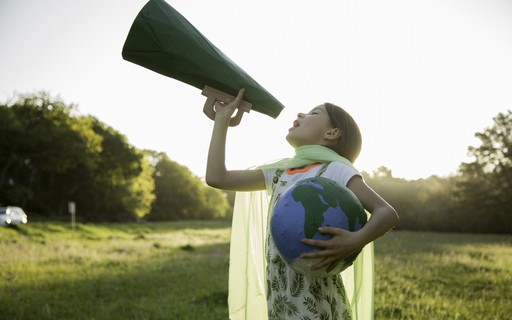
pixel 217 175
pixel 383 218
pixel 383 215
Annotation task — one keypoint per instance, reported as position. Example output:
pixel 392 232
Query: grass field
pixel 179 271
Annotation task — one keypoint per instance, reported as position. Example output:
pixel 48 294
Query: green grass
pixel 443 276
pixel 125 271
pixel 179 270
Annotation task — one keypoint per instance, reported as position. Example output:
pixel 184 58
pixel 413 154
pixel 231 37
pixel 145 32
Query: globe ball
pixel 302 209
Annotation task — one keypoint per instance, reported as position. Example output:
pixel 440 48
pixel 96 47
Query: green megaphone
pixel 162 40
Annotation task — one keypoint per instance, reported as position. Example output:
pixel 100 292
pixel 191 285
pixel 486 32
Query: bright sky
pixel 420 77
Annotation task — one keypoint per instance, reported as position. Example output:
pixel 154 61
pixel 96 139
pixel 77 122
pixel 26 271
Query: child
pixel 326 141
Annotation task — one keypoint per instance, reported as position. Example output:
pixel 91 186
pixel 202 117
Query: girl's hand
pixel 224 110
pixel 342 244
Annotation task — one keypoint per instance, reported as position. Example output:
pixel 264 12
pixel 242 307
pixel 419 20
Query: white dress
pixel 291 295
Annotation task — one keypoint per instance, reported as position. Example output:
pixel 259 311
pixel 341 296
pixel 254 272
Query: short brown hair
pixel 349 144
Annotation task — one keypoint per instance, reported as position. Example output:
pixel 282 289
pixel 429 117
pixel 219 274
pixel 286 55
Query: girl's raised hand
pixel 224 110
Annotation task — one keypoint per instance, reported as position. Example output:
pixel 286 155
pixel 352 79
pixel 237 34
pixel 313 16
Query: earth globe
pixel 302 209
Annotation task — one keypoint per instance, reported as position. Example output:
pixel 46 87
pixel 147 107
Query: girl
pixel 326 142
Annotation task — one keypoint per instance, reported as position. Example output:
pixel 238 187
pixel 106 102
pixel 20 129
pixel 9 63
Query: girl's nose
pixel 300 115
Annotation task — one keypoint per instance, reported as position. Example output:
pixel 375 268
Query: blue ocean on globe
pixel 302 209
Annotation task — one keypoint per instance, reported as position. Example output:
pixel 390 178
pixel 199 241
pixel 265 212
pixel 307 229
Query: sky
pixel 420 77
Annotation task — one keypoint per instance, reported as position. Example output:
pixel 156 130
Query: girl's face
pixel 311 128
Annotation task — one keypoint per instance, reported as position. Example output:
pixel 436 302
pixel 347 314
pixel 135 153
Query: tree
pixel 217 203
pixel 49 156
pixel 42 142
pixel 142 189
pixel 120 187
pixel 181 195
pixel 485 185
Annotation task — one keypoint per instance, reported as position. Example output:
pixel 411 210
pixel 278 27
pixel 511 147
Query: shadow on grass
pixel 16 228
pixel 171 225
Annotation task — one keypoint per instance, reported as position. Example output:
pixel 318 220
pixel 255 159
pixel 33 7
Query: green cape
pixel 247 285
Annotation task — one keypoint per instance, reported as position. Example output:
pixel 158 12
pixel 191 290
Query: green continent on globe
pixel 316 198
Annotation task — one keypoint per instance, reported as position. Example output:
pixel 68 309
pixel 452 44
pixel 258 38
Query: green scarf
pixel 308 154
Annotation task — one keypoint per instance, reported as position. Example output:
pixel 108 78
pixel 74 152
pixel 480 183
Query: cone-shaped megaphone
pixel 162 40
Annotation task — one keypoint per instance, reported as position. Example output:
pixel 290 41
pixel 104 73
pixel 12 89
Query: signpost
pixel 72 211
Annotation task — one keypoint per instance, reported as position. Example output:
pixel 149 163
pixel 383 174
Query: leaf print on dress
pixel 283 308
pixel 297 285
pixel 316 290
pixel 325 316
pixel 310 304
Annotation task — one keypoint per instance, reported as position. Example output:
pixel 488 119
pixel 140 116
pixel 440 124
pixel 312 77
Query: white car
pixel 12 216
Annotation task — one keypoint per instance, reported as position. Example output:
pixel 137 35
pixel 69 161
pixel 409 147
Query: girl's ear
pixel 333 134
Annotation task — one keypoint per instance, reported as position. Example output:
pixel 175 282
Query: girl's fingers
pixel 230 104
pixel 315 243
pixel 239 96
pixel 330 230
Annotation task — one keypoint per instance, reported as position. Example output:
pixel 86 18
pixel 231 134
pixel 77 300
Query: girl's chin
pixel 289 138
pixel 292 142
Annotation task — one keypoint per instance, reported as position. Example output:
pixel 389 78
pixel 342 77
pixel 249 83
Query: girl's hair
pixel 349 144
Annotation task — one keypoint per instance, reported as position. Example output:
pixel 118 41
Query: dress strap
pixel 323 169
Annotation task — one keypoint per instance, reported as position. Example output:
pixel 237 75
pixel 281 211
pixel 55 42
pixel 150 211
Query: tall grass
pixel 179 271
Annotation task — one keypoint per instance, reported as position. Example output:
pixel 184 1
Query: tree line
pixel 478 198
pixel 50 155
